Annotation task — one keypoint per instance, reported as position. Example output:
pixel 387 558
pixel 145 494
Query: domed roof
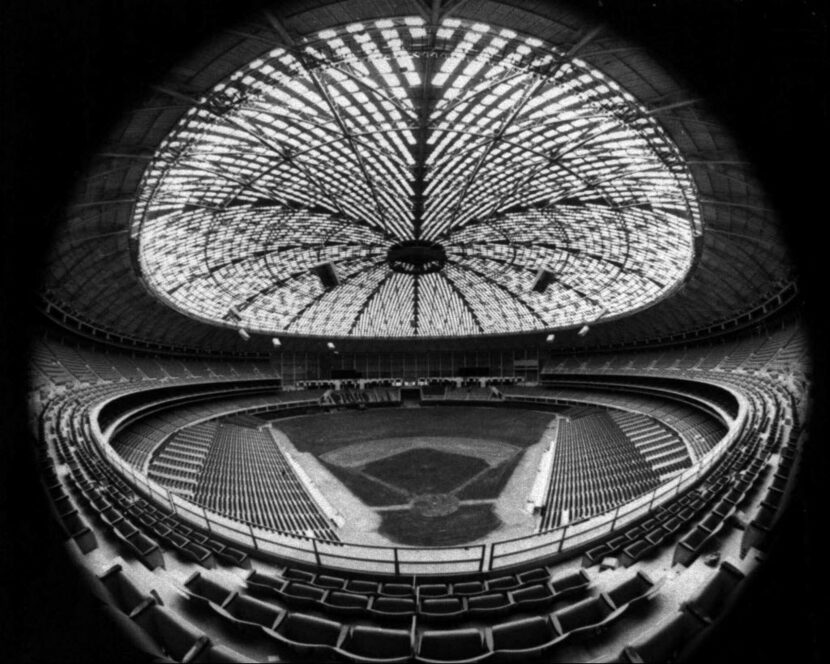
pixel 435 174
pixel 369 171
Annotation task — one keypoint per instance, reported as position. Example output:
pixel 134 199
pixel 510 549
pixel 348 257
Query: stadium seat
pixel 533 597
pixel 586 618
pixel 248 614
pixel 218 654
pixel 633 591
pixel 307 633
pixel 459 646
pixel 443 609
pixel 264 585
pixel 205 590
pixel 362 586
pixel 527 637
pixel 534 575
pixel 666 641
pixel 715 595
pixel 498 583
pixel 301 594
pixel 121 589
pixel 434 590
pixel 570 584
pixel 178 638
pixel 397 589
pixel 349 603
pixel 327 581
pixel 473 587
pixel 139 646
pixel 296 574
pixel 377 645
pixel 393 608
pixel 489 605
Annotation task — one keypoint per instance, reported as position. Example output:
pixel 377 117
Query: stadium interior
pixel 440 331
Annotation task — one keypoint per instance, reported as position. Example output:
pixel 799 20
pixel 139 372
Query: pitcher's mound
pixel 435 504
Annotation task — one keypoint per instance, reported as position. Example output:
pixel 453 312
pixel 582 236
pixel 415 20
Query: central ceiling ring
pixel 416 257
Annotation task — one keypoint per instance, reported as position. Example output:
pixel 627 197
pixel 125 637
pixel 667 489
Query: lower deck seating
pixel 178 463
pixel 662 448
pixel 595 468
pixel 247 476
pixel 364 636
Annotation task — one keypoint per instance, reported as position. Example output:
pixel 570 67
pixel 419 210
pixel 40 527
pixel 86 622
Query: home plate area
pixel 429 491
pixel 437 485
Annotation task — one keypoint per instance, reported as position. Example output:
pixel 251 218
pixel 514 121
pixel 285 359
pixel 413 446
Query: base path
pixel 510 505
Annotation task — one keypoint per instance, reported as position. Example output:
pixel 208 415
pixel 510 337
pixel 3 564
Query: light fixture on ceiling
pixel 550 338
pixel 244 333
pixel 233 314
pixel 276 343
pixel 543 279
pixel 583 330
pixel 327 275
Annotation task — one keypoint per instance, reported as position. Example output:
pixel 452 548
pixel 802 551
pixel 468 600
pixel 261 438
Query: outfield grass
pixel 469 523
pixel 321 432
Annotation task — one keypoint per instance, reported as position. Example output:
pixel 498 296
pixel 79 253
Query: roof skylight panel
pixel 394 209
pixel 387 161
pixel 458 83
pixel 561 306
pixel 463 155
pixel 440 187
pixel 489 188
pixel 450 63
pixel 496 309
pixel 389 311
pixel 439 79
pixel 441 310
pixel 559 183
pixel 405 156
pixel 445 189
pixel 336 310
pixel 452 139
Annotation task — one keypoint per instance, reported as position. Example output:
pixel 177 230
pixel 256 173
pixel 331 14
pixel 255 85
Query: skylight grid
pixel 496 309
pixel 514 278
pixel 335 311
pixel 389 309
pixel 442 311
pixel 570 309
pixel 496 152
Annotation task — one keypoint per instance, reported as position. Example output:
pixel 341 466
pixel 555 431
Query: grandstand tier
pixel 640 480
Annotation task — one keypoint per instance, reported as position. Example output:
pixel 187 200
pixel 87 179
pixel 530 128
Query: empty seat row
pixel 595 469
pixel 424 588
pixel 308 633
pixel 401 607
